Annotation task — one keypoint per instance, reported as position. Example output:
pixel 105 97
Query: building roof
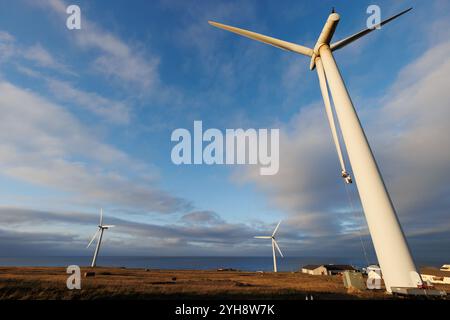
pixel 445 267
pixel 336 267
pixel 339 267
pixel 312 266
pixel 434 272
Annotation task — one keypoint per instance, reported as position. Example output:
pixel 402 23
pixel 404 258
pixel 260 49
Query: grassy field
pixel 117 283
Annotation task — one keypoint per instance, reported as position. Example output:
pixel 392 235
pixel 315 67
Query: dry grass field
pixel 116 283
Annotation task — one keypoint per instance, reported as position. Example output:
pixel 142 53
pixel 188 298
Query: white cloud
pixel 412 130
pixel 115 58
pixel 6 37
pixel 191 235
pixel 37 54
pixel 7 48
pixel 43 144
pixel 113 111
pixel 409 136
pixel 307 186
pixel 43 58
pixel 29 71
pixel 118 60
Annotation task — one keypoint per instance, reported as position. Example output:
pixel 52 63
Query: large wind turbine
pixel 274 245
pixel 389 241
pixel 99 233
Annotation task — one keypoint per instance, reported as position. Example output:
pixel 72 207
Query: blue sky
pixel 89 114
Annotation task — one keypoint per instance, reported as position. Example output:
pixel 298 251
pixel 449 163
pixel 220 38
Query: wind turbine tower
pixel 99 234
pixel 274 245
pixel 394 257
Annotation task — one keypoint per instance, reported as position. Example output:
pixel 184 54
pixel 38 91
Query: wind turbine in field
pixel 274 245
pixel 99 234
pixel 398 268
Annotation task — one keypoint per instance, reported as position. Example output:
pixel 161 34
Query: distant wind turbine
pixel 397 265
pixel 274 245
pixel 99 233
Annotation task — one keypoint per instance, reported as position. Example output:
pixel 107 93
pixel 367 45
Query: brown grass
pixel 115 283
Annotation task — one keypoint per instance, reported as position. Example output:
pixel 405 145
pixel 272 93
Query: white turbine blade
pixel 285 45
pixel 93 238
pixel 276 229
pixel 101 216
pixel 278 248
pixel 263 237
pixel 342 43
pixel 108 226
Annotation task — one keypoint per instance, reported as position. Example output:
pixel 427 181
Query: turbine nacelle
pixel 325 36
pixel 106 226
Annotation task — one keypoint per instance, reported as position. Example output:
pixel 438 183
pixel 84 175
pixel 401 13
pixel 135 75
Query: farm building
pixel 445 267
pixel 326 269
pixel 314 269
pixel 434 275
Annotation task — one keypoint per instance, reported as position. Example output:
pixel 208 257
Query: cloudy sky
pixel 87 117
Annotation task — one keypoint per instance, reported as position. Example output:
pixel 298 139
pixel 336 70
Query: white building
pixel 434 275
pixel 445 267
pixel 314 269
pixel 326 269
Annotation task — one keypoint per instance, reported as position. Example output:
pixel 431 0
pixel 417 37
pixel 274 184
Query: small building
pixel 445 267
pixel 314 269
pixel 334 269
pixel 326 269
pixel 435 275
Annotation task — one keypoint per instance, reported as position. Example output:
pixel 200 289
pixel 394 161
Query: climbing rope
pixel 347 190
pixel 344 173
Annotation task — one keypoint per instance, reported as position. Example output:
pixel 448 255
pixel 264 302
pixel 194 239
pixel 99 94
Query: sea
pixel 188 263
